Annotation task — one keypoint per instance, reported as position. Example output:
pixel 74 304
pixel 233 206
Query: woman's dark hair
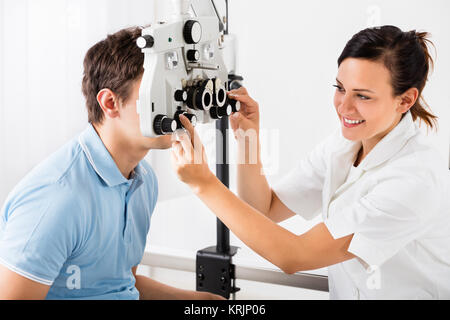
pixel 405 55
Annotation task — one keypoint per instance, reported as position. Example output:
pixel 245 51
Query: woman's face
pixel 364 100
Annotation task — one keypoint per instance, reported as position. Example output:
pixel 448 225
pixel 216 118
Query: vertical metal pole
pixel 222 167
pixel 226 15
pixel 223 174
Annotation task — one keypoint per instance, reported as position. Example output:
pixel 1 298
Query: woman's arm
pixel 253 188
pixel 290 252
pixel 252 185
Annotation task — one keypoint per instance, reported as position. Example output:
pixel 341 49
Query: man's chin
pixel 159 143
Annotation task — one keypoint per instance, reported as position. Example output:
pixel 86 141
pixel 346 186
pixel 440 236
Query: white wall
pixel 42 47
pixel 287 54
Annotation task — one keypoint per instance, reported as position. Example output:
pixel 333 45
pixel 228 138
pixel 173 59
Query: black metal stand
pixel 215 271
pixel 223 174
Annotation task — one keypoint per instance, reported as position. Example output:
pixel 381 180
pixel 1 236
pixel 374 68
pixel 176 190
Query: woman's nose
pixel 346 105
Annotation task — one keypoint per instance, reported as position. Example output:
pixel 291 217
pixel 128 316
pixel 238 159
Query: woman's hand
pixel 248 117
pixel 189 158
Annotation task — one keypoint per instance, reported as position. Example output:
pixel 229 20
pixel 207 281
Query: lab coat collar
pixel 101 160
pixel 346 151
pixel 387 147
pixel 341 160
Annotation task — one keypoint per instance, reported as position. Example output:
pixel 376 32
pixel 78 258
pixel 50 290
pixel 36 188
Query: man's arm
pixel 15 287
pixel 150 289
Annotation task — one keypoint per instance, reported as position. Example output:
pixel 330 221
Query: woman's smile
pixel 351 123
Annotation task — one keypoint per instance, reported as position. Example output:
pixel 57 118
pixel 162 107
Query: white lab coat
pixel 397 205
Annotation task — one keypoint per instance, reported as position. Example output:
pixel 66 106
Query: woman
pixel 381 189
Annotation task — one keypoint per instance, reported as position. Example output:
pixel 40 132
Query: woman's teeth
pixel 353 121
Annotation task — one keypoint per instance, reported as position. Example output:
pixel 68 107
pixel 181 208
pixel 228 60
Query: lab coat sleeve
pixel 301 189
pixel 397 210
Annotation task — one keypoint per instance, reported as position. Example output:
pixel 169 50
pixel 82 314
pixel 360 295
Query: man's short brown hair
pixel 113 63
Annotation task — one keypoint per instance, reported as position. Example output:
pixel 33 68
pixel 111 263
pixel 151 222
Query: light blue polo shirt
pixel 76 224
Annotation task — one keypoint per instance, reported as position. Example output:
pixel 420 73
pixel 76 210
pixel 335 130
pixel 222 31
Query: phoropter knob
pixel 219 112
pixel 180 95
pixel 146 41
pixel 192 32
pixel 193 55
pixel 164 125
pixel 234 81
pixel 220 94
pixel 191 117
pixel 203 98
pixel 235 105
pixel 200 95
pixel 190 97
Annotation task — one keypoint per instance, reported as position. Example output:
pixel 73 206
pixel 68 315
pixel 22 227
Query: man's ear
pixel 407 100
pixel 109 103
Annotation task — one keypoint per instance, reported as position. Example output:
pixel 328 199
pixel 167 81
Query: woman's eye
pixel 339 88
pixel 363 97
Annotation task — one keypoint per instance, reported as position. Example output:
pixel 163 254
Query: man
pixel 76 226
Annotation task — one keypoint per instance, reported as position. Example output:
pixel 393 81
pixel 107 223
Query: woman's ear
pixel 407 100
pixel 109 103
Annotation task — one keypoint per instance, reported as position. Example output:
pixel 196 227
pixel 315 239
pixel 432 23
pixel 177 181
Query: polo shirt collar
pixel 101 160
pixel 387 147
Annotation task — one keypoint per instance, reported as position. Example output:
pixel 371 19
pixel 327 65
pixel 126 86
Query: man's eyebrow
pixel 357 90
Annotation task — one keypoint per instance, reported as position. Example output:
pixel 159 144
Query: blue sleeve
pixel 39 231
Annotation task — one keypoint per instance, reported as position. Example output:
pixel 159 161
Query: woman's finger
pixel 241 90
pixel 176 161
pixel 178 150
pixel 188 126
pixel 244 99
pixel 186 144
pixel 234 122
pixel 174 157
pixel 195 139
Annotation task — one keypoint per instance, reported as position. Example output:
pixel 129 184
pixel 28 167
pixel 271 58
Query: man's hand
pixel 197 295
pixel 150 289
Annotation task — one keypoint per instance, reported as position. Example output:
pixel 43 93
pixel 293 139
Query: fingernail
pixel 236 115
